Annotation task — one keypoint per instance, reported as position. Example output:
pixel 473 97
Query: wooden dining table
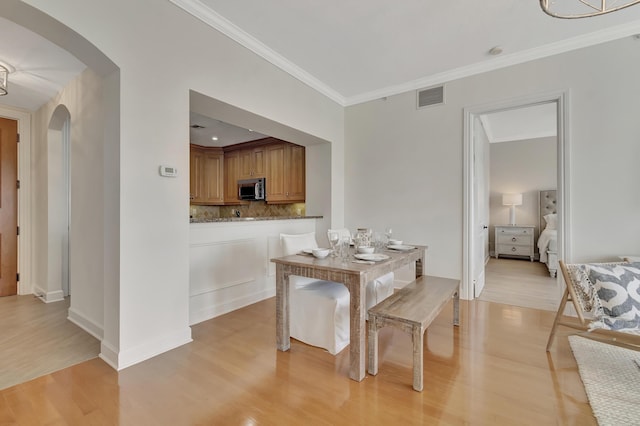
pixel 355 277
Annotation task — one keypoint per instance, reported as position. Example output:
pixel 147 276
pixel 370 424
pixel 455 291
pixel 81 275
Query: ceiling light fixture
pixel 573 9
pixel 214 138
pixel 4 79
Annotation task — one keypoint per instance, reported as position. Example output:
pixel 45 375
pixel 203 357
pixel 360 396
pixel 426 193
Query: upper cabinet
pixel 215 172
pixel 252 163
pixel 232 166
pixel 285 177
pixel 206 175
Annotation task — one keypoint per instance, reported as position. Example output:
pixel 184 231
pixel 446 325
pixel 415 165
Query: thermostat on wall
pixel 168 171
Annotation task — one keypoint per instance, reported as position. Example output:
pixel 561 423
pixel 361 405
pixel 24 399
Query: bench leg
pixel 373 346
pixel 417 335
pixel 456 308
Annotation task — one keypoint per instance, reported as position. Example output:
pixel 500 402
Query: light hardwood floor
pixel 37 339
pixel 520 283
pixel 492 370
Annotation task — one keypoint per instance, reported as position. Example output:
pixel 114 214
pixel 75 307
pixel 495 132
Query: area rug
pixel 611 377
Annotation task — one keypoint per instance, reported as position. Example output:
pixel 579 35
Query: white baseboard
pixel 109 354
pixel 85 323
pixel 226 307
pixel 48 297
pixel 147 349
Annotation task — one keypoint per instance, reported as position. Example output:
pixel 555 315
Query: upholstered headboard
pixel 547 205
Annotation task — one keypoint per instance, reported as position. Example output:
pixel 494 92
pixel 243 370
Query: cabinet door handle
pixel 513 249
pixel 514 239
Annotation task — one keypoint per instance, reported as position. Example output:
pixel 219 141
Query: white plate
pixel 400 247
pixel 307 251
pixel 375 257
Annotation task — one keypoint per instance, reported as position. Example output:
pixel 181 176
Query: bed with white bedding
pixel 548 239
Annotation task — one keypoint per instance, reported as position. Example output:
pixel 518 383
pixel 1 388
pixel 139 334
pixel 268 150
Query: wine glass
pixel 345 242
pixel 334 237
pixel 388 233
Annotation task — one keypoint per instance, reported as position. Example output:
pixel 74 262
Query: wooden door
pixel 8 207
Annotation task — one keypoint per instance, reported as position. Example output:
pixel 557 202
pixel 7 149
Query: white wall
pixel 404 166
pixel 158 67
pixel 521 167
pixel 83 99
pixel 319 177
pixel 230 263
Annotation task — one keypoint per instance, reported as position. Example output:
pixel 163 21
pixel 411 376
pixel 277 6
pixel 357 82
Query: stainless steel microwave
pixel 251 189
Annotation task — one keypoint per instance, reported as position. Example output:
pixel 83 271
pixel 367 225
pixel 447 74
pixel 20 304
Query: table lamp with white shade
pixel 512 200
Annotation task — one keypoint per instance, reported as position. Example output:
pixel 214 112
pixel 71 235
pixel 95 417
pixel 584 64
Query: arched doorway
pixel 58 202
pixel 95 179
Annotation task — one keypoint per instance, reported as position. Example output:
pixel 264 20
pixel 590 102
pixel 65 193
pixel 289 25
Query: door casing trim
pixel 561 98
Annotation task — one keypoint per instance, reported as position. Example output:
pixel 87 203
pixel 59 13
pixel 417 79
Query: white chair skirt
pixel 319 310
pixel 319 313
pixel 379 289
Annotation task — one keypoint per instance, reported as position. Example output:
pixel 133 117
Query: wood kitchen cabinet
pixel 285 173
pixel 206 175
pixel 232 174
pixel 252 163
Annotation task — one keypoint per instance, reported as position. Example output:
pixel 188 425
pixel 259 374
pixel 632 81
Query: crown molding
pixel 597 37
pixel 213 19
pixel 226 27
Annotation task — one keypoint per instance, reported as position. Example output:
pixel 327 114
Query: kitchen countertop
pixel 248 219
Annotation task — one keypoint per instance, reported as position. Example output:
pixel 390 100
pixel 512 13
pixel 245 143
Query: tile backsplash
pixel 252 209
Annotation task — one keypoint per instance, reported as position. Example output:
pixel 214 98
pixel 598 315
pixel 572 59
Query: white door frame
pixel 561 98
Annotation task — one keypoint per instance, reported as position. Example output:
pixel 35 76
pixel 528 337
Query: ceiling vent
pixel 431 96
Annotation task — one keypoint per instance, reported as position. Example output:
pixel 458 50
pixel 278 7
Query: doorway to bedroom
pixel 516 154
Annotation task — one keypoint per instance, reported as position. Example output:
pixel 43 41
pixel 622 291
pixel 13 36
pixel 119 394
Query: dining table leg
pixel 357 345
pixel 283 337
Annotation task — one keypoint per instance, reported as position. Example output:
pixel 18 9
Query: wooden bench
pixel 412 309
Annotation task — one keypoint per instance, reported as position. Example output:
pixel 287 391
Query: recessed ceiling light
pixel 214 138
pixel 495 50
pixel 251 130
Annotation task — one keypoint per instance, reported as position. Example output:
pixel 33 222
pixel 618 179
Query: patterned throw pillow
pixel 618 291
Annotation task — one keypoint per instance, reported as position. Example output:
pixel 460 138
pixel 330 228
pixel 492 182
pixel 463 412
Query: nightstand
pixel 514 240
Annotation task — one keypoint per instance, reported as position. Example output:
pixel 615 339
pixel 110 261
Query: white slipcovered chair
pixel 318 310
pixel 378 289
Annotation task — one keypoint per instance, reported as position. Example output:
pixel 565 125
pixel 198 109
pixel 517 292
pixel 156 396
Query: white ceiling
pixel 226 134
pixel 356 50
pixel 40 69
pixel 532 122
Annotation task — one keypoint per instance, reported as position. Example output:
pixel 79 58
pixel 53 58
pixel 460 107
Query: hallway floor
pixel 520 283
pixel 37 339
